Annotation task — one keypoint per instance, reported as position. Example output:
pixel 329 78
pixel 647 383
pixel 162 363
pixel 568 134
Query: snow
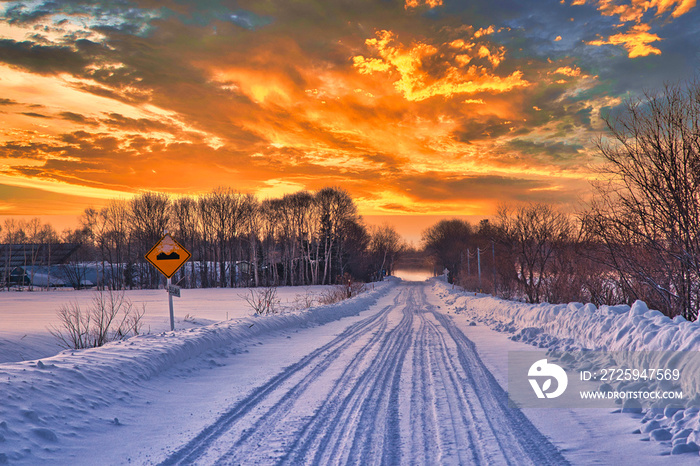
pixel 50 401
pixel 609 328
pixel 416 371
pixel 25 316
pixel 617 330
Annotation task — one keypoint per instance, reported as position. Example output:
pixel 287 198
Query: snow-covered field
pixel 25 316
pixel 405 373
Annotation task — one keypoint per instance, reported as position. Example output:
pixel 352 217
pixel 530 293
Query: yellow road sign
pixel 168 256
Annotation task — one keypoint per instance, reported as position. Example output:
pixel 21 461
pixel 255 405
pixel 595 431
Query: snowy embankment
pixel 645 338
pixel 45 400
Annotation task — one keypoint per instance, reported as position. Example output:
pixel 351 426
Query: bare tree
pixel 297 210
pixel 534 234
pixel 647 213
pixel 38 238
pixel 270 210
pixel 336 208
pixel 253 219
pixel 76 268
pixel 206 218
pixel 149 218
pixel 263 301
pixel 186 221
pixel 115 242
pixel 385 245
pixel 301 238
pixel 447 242
pixel 111 316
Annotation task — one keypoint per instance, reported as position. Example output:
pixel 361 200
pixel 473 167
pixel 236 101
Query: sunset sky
pixel 419 108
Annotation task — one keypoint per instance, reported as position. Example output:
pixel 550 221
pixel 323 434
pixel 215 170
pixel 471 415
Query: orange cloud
pixel 636 41
pixel 417 3
pixel 484 32
pixel 418 78
pixel 635 10
pixel 568 71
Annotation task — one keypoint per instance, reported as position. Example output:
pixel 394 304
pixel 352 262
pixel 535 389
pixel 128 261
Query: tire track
pixel 377 438
pixel 199 445
pixel 468 441
pixel 350 412
pixel 307 434
pixel 517 438
pixel 422 412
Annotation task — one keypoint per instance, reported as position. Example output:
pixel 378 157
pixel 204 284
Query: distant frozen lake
pixel 413 275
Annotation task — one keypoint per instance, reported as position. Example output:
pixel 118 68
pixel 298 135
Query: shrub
pixel 305 301
pixel 110 316
pixel 346 290
pixel 263 300
pixel 332 295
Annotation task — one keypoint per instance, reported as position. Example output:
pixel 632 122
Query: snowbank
pixel 609 328
pixel 644 338
pixel 41 401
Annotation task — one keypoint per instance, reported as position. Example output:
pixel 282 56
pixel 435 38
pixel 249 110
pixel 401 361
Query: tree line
pixel 235 239
pixel 637 238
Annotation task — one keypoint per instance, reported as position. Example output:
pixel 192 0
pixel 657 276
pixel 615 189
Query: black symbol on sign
pixel 167 257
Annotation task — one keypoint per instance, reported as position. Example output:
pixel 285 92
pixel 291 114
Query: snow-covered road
pixel 400 386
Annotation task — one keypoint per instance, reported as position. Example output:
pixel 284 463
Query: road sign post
pixel 168 256
pixel 170 305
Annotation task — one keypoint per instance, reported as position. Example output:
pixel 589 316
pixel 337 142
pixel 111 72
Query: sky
pixel 418 108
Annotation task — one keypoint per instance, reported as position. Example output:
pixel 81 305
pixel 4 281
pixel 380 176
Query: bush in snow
pixel 110 316
pixel 263 300
pixel 471 283
pixel 347 290
pixel 305 301
pixel 332 295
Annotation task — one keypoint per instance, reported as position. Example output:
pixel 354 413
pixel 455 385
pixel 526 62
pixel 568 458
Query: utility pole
pixel 478 260
pixel 469 268
pixel 493 265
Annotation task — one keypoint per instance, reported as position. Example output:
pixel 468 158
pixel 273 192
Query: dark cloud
pixel 482 128
pixel 249 20
pixel 143 125
pixel 434 187
pixel 403 208
pixel 30 151
pixel 41 58
pixel 20 13
pixel 560 154
pixel 35 115
pixel 77 118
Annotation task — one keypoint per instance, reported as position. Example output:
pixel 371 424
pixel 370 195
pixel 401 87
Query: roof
pixel 19 255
